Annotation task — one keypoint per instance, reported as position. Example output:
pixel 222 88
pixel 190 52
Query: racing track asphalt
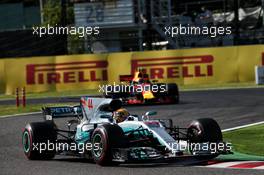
pixel 229 107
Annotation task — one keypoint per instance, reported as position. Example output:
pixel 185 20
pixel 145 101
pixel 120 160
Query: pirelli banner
pixel 194 66
pixel 56 73
pixel 189 66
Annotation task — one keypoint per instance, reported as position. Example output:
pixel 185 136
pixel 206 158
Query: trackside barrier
pixel 24 96
pixel 17 97
pixel 23 90
pixel 185 67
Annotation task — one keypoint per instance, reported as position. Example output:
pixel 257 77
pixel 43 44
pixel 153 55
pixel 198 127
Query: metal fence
pixel 136 25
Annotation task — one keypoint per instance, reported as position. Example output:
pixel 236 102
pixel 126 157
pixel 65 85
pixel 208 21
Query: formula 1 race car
pixel 139 139
pixel 138 89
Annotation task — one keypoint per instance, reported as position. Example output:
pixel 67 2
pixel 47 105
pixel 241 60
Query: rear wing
pixel 129 78
pixel 126 78
pixel 60 112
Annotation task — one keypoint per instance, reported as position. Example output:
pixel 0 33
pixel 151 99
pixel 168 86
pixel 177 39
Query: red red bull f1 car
pixel 138 89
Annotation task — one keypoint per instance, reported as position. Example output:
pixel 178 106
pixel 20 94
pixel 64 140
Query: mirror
pixel 78 111
pixel 151 113
pixel 148 114
pixel 70 123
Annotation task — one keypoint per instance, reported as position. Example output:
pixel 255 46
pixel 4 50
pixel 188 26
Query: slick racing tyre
pixel 104 139
pixel 204 130
pixel 35 140
pixel 173 92
pixel 204 133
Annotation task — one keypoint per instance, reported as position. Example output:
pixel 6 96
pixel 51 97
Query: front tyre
pixel 104 139
pixel 204 132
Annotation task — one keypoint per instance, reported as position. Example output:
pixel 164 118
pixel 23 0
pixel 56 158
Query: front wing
pixel 150 155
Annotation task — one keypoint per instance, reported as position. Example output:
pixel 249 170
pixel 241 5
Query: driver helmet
pixel 120 115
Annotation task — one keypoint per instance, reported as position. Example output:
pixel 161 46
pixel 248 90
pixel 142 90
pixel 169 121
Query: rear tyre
pixel 140 97
pixel 173 92
pixel 39 135
pixel 104 139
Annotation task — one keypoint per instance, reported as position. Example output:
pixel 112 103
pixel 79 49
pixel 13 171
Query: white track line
pixel 243 126
pixel 23 114
pixel 259 168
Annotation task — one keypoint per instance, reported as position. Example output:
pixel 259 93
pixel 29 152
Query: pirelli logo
pixel 68 72
pixel 176 67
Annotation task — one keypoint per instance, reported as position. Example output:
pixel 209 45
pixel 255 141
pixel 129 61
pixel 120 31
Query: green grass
pixel 12 109
pixel 248 140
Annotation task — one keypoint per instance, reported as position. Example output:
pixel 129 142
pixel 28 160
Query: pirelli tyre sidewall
pixel 35 134
pixel 108 136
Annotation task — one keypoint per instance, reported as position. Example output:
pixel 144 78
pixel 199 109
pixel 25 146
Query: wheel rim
pixel 26 141
pixel 97 139
pixel 196 134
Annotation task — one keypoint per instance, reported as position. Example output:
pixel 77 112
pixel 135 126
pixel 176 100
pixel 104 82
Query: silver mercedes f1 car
pixel 94 134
